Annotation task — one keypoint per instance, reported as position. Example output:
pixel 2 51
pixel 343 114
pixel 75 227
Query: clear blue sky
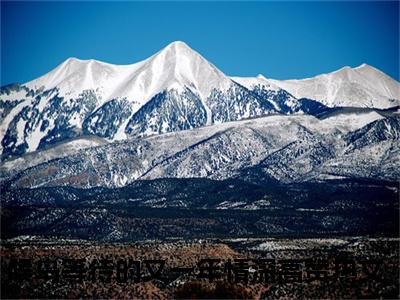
pixel 278 39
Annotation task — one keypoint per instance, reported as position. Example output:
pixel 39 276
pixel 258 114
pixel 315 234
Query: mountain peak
pixel 71 59
pixel 362 86
pixel 178 63
pixel 178 45
pixel 363 65
pixel 262 77
pixel 178 49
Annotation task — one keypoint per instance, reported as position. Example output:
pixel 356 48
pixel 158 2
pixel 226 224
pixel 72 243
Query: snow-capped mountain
pixel 276 148
pixel 363 86
pixel 175 67
pixel 175 89
pixel 87 148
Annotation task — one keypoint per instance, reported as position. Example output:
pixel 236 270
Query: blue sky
pixel 278 39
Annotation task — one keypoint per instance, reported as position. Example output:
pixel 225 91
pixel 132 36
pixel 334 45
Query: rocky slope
pixel 274 148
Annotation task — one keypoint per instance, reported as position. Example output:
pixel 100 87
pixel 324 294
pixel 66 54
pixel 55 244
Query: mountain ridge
pixel 280 148
pixel 362 86
pixel 174 89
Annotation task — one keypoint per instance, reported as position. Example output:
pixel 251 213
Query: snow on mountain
pixel 62 150
pixel 252 82
pixel 176 63
pixel 346 122
pixel 122 162
pixel 174 67
pixel 280 99
pixel 279 148
pixel 373 150
pixel 175 89
pixel 363 86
